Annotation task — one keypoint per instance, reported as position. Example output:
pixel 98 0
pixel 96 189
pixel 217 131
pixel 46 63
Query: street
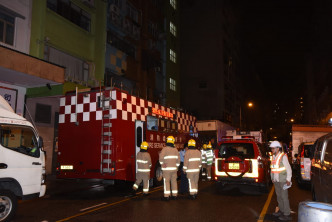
pixel 89 200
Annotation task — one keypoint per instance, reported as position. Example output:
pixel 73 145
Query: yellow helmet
pixel 170 139
pixel 191 142
pixel 204 146
pixel 209 146
pixel 144 145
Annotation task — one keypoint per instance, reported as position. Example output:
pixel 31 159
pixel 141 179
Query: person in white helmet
pixel 281 175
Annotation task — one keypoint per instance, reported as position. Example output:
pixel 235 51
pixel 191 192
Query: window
pixel 72 12
pixel 43 113
pixel 245 150
pixel 172 55
pixel 7 27
pixel 139 136
pixel 20 139
pixel 152 123
pixel 132 12
pixel 328 153
pixel 172 84
pixel 172 28
pixel 173 3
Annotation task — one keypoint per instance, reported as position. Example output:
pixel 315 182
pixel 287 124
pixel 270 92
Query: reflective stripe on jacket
pixel 192 161
pixel 203 156
pixel 143 160
pixel 169 158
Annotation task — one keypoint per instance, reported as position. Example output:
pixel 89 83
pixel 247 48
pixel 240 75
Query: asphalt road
pixel 81 200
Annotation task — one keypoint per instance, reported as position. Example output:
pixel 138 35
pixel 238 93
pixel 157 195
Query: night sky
pixel 275 37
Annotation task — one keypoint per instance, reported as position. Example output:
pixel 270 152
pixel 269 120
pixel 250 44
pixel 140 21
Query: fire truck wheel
pixel 8 205
pixel 158 176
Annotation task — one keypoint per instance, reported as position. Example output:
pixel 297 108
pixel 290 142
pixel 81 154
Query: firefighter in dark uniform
pixel 143 160
pixel 192 164
pixel 169 159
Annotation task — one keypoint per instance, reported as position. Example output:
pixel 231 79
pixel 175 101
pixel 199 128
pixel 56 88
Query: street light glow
pixel 250 104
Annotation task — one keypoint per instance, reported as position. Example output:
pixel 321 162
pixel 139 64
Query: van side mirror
pixel 40 142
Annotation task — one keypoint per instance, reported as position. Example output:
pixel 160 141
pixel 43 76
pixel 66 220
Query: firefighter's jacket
pixel 192 161
pixel 280 168
pixel 209 157
pixel 143 160
pixel 169 159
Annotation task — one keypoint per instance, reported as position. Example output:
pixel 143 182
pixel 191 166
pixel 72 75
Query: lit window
pixel 172 84
pixel 172 55
pixel 173 3
pixel 7 27
pixel 172 28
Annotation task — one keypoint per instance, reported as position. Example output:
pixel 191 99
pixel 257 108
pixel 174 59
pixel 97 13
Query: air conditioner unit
pixel 127 25
pixel 115 9
pixel 136 32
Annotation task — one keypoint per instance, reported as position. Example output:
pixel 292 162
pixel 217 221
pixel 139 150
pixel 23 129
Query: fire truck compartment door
pixel 138 137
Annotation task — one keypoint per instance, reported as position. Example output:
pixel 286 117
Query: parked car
pixel 321 180
pixel 242 162
pixel 302 164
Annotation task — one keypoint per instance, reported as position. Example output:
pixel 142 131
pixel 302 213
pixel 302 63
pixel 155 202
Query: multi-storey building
pixel 209 61
pixel 21 73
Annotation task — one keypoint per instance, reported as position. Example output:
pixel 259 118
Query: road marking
pixel 266 205
pixel 102 207
pixel 92 207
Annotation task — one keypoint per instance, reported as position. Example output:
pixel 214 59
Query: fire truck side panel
pixel 79 146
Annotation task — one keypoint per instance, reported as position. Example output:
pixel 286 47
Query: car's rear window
pixel 245 150
pixel 306 151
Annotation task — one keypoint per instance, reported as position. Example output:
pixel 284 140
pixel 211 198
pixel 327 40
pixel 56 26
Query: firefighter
pixel 169 159
pixel 143 160
pixel 192 164
pixel 281 175
pixel 209 160
pixel 203 154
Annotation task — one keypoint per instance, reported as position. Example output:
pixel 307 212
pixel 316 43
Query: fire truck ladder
pixel 106 165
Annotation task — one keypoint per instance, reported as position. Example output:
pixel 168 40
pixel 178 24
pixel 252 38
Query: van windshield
pixel 245 150
pixel 19 138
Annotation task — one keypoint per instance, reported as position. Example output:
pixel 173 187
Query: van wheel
pixel 8 205
pixel 158 176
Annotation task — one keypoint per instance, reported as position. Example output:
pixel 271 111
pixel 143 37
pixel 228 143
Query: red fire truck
pixel 100 132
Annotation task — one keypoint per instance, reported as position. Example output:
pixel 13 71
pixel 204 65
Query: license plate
pixel 66 167
pixel 233 166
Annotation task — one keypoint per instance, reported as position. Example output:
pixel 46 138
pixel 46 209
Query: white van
pixel 22 161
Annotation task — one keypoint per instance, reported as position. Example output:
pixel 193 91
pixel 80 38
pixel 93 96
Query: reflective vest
pixel 203 155
pixel 209 156
pixel 276 164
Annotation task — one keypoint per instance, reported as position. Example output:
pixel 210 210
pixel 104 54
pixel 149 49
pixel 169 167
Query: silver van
pixel 321 184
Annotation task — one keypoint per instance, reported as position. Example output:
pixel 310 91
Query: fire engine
pixel 101 130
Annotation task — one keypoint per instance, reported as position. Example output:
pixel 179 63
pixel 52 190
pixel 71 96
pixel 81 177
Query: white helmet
pixel 275 144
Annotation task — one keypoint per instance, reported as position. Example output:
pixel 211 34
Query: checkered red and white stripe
pixel 123 106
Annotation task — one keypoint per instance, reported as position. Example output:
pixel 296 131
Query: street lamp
pixel 250 105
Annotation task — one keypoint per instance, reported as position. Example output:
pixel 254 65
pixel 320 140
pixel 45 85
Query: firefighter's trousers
pixel 203 169
pixel 142 176
pixel 193 178
pixel 170 182
pixel 208 172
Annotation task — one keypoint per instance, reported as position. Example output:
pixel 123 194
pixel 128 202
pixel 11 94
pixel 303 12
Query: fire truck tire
pixel 158 176
pixel 8 205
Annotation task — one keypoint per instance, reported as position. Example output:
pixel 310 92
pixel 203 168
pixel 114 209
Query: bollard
pixel 314 212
